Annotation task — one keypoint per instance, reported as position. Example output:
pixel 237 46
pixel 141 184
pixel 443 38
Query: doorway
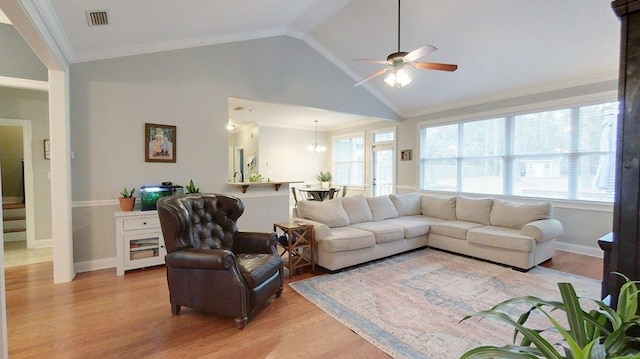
pixel 382 169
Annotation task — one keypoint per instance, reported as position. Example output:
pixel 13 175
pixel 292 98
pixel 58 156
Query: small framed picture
pixel 160 143
pixel 405 155
pixel 47 150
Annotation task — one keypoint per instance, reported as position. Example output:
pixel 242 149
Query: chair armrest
pixel 542 230
pixel 192 258
pixel 320 230
pixel 255 242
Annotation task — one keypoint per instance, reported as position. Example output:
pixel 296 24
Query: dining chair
pixel 344 190
pixel 295 196
pixel 332 193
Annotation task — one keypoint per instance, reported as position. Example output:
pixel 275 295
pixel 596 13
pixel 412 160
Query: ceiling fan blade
pixel 383 62
pixel 375 74
pixel 418 53
pixel 434 66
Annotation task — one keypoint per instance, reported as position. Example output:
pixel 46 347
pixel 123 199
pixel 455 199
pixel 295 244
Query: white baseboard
pixel 43 243
pixel 578 249
pixel 96 264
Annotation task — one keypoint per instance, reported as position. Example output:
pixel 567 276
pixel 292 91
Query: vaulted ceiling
pixel 504 48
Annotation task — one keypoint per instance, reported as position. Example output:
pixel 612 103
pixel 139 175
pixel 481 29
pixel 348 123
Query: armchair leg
pixel 175 309
pixel 241 322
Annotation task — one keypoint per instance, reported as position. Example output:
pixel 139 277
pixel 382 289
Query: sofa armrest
pixel 320 230
pixel 542 230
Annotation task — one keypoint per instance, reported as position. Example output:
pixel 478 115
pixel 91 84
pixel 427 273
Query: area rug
pixel 410 305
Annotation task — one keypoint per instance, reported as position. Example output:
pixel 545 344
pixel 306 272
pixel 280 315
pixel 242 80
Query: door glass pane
pixel 383 172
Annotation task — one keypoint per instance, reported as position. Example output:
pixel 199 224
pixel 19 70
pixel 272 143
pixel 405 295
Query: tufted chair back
pixel 200 221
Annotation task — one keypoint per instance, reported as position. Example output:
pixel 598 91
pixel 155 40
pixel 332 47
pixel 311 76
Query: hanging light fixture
pixel 316 147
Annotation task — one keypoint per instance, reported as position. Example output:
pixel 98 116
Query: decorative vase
pixel 127 204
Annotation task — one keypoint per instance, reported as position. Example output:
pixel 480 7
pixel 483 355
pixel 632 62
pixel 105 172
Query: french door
pixel 382 162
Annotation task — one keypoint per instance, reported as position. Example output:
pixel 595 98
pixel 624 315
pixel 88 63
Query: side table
pixel 299 245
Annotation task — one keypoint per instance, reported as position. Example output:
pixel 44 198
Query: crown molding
pixel 84 56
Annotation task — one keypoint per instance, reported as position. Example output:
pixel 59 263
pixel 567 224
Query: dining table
pixel 318 193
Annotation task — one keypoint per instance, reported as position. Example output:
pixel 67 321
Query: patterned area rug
pixel 409 305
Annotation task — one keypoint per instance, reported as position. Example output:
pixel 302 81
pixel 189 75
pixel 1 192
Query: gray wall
pixel 33 106
pixel 17 59
pixel 112 99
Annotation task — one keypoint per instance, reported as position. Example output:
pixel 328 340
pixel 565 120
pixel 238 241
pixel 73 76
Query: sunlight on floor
pixel 17 254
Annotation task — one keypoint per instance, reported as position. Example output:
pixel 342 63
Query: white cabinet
pixel 139 241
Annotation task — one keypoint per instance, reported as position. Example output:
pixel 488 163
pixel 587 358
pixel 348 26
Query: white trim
pixel 534 90
pixel 100 203
pixel 410 188
pixel 95 264
pixel 579 249
pixel 583 100
pixel 19 83
pixel 27 154
pixel 43 243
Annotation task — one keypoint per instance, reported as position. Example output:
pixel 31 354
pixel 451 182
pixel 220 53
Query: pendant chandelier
pixel 316 147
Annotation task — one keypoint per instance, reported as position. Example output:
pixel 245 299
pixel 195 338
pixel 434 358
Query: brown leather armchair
pixel 211 266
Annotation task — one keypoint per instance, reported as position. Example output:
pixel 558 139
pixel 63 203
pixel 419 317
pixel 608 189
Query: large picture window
pixel 348 160
pixel 567 153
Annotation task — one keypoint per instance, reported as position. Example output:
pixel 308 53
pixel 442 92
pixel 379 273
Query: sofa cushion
pixel 476 210
pixel 407 204
pixel 381 208
pixel 357 209
pixel 454 229
pixel 346 239
pixel 501 237
pixel 411 228
pixel 438 207
pixel 383 232
pixel 423 219
pixel 516 215
pixel 330 213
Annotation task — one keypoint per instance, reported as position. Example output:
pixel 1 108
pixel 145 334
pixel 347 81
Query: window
pixel 567 153
pixel 348 160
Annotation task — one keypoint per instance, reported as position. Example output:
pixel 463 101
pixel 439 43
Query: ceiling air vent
pixel 97 18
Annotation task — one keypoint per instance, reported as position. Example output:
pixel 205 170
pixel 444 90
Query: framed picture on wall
pixel 405 155
pixel 47 150
pixel 160 143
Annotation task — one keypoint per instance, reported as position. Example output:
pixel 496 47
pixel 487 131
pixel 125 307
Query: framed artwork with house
pixel 160 143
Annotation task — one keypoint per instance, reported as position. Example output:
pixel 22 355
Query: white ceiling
pixel 504 48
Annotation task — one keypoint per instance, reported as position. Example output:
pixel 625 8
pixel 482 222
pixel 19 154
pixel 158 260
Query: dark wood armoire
pixel 622 246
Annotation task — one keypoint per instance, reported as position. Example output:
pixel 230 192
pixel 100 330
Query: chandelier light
pixel 316 147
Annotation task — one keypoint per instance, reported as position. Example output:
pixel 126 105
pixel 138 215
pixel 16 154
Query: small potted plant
pixel 325 179
pixel 127 201
pixel 256 177
pixel 191 188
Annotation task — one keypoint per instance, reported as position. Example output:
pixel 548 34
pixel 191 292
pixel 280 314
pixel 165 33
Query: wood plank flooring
pixel 100 315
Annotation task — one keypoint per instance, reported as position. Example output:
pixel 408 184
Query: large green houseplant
pixel 597 333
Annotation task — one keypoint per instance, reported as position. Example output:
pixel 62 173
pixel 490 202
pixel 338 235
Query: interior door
pixel 382 169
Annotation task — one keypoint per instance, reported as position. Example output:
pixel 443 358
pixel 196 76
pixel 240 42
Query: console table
pixel 298 245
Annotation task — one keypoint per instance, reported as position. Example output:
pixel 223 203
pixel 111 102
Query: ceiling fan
pixel 397 60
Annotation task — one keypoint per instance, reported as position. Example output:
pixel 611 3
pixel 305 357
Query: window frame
pixel 509 158
pixel 334 139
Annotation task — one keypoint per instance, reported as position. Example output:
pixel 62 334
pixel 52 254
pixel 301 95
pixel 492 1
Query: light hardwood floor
pixel 100 315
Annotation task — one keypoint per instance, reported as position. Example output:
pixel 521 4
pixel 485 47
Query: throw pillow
pixel 382 208
pixel 439 207
pixel 357 209
pixel 516 215
pixel 330 213
pixel 477 210
pixel 407 204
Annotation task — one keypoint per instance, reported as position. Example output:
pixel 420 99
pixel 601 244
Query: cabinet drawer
pixel 141 223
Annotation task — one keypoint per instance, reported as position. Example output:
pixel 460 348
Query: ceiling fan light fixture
pixel 398 78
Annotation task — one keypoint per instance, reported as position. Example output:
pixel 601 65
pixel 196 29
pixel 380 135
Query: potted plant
pixel 191 188
pixel 256 177
pixel 325 179
pixel 598 333
pixel 127 201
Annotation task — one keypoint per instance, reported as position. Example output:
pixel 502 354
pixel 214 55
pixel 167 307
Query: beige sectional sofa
pixel 358 229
